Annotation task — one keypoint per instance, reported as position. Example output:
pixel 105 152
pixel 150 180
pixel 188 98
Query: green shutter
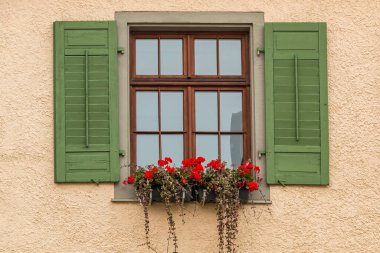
pixel 296 103
pixel 86 102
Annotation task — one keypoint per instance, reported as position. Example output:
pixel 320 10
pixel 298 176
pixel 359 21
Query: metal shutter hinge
pixel 121 152
pixel 259 51
pixel 95 181
pixel 260 154
pixel 120 50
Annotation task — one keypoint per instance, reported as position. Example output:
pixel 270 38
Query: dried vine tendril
pixel 176 182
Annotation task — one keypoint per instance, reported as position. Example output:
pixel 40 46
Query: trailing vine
pixel 174 183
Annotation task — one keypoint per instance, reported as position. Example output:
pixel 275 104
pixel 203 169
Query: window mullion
pixel 219 144
pixel 159 124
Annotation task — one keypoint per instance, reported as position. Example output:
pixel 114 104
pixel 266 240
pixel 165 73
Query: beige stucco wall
pixel 37 215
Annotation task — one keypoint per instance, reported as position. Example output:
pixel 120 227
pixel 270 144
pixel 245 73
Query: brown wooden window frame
pixel 189 83
pixel 188 57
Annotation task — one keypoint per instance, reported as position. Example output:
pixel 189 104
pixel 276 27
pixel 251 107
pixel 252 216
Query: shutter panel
pixel 296 103
pixel 86 102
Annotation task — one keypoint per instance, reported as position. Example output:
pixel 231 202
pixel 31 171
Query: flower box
pixel 210 196
pixel 187 195
pixel 167 180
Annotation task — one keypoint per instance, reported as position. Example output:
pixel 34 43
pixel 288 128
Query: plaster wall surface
pixel 37 215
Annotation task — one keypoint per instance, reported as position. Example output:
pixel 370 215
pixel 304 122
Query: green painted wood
pixel 114 103
pixel 296 103
pixel 86 102
pixel 59 104
pixel 324 104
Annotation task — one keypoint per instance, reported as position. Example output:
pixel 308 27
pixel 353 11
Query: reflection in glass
pixel 171 56
pixel 146 56
pixel 172 145
pixel 232 149
pixel 172 111
pixel 206 111
pixel 230 57
pixel 231 111
pixel 147 149
pixel 146 111
pixel 205 57
pixel 207 146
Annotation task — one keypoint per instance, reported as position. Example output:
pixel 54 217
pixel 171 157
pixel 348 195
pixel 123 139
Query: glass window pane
pixel 207 146
pixel 171 57
pixel 232 149
pixel 206 111
pixel 205 57
pixel 230 57
pixel 146 56
pixel 231 113
pixel 172 111
pixel 147 149
pixel 172 145
pixel 146 111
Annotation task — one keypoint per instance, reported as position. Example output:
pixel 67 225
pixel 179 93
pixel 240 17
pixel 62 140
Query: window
pixel 198 72
pixel 189 96
pixel 177 44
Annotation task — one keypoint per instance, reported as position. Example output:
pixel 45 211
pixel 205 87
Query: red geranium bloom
pixel 193 161
pixel 215 164
pixel 168 159
pixel 131 179
pixel 183 180
pixel 199 168
pixel 149 175
pixel 253 186
pixel 200 159
pixel 170 169
pixel 125 182
pixel 154 169
pixel 197 176
pixel 249 166
pixel 162 162
pixel 186 163
pixel 257 168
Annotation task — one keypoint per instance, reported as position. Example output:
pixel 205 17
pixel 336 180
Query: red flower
pixel 162 162
pixel 193 161
pixel 125 182
pixel 131 179
pixel 245 171
pixel 168 159
pixel 186 163
pixel 200 159
pixel 253 186
pixel 199 168
pixel 197 176
pixel 215 164
pixel 170 169
pixel 249 166
pixel 183 180
pixel 149 175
